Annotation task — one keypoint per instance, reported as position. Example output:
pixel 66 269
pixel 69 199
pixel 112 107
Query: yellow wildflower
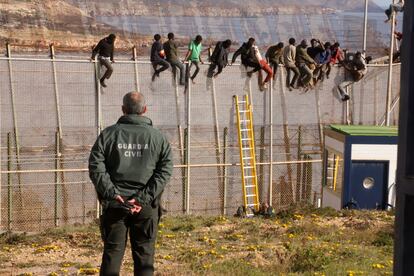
pixel 88 271
pixel 378 266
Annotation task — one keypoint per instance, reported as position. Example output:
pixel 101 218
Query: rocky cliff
pixel 216 7
pixel 71 23
pixel 41 22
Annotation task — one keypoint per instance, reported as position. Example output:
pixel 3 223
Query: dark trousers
pixel 109 69
pixel 320 72
pixel 174 65
pixel 248 63
pixel 197 65
pixel 295 71
pixel 164 66
pixel 142 228
pixel 328 70
pixel 211 69
pixel 274 66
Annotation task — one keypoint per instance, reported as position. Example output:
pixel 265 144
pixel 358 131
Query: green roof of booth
pixel 365 130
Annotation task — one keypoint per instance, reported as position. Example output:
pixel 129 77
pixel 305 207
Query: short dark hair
pixel 250 42
pixel 227 43
pixel 170 36
pixel 134 103
pixel 280 45
pixel 198 38
pixel 157 37
pixel 292 41
pixel 111 38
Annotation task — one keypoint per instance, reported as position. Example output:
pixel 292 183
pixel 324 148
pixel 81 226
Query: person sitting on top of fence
pixel 105 51
pixel 315 48
pixel 219 58
pixel 247 56
pixel 274 56
pixel 337 56
pixel 289 59
pixel 322 60
pixel 356 69
pixel 171 52
pixel 393 8
pixel 264 66
pixel 306 65
pixel 158 57
pixel 193 56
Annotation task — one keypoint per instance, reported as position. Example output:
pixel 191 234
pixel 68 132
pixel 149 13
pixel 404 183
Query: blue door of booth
pixel 368 185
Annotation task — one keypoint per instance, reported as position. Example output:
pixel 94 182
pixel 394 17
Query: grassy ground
pixel 302 241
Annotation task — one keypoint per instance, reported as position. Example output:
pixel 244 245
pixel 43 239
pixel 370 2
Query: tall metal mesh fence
pixel 51 112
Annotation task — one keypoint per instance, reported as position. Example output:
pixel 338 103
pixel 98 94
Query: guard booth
pixel 360 165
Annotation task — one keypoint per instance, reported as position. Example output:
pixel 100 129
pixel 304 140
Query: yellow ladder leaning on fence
pixel 247 155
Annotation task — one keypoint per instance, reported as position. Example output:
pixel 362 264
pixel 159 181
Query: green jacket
pixel 274 55
pixel 171 50
pixel 302 56
pixel 131 159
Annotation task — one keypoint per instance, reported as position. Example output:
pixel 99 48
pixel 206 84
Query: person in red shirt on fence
pixel 264 66
pixel 337 56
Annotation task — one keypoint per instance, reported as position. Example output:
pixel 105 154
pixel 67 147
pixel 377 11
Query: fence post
pixel 178 112
pixel 304 177
pixel 309 178
pixel 320 124
pixel 55 86
pixel 188 152
pixel 1 190
pixel 298 167
pixel 98 115
pixel 261 160
pixel 271 143
pixel 134 57
pixel 217 135
pixel 216 123
pixel 40 217
pixel 347 109
pixel 375 99
pixel 57 180
pixel 390 70
pixel 184 172
pixel 351 104
pixel 16 130
pixel 286 137
pixel 98 98
pixel 250 93
pixel 225 133
pixel 9 184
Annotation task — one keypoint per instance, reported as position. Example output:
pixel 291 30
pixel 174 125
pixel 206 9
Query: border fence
pixel 53 108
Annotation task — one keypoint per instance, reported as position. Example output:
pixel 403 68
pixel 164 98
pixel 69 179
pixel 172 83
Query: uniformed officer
pixel 129 165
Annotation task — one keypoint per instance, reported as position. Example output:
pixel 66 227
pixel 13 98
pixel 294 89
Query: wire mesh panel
pixel 76 94
pixel 58 108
